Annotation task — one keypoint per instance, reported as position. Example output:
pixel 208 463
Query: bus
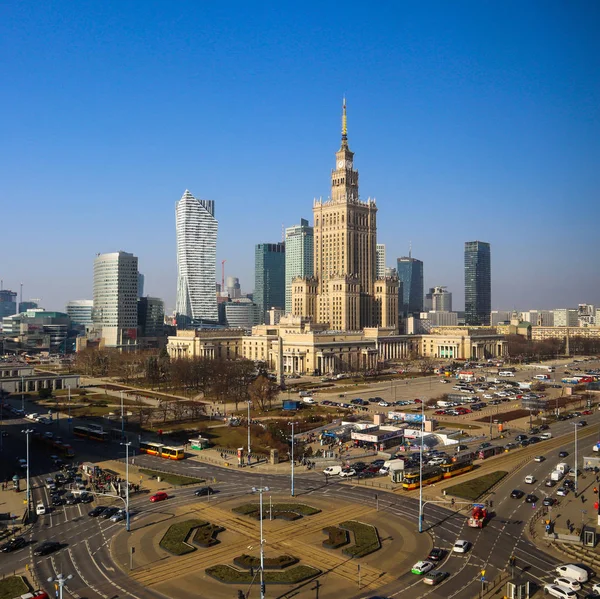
pixel 86 433
pixel 163 451
pixel 151 448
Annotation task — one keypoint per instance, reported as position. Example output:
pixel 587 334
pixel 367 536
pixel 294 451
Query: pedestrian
pixel 568 523
pixel 582 499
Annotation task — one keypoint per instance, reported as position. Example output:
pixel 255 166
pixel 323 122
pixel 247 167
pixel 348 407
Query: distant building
pixel 269 276
pixel 8 302
pixel 428 300
pixel 566 317
pixel 196 228
pixel 478 283
pixel 410 273
pixel 80 312
pixel 441 300
pixel 115 298
pixel 299 260
pixel 30 305
pixel 141 280
pixel 242 314
pixel 35 331
pixel 233 287
pixel 151 316
pixel 274 315
pixel 500 317
pixel 586 315
pixel 380 257
pixel 540 318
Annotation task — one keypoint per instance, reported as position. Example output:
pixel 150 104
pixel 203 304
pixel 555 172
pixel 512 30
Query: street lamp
pixel 127 523
pixel 576 425
pixel 22 395
pixel 122 419
pixel 69 403
pixel 28 432
pixel 421 467
pixel 292 424
pixel 260 491
pixel 60 580
pixel 249 404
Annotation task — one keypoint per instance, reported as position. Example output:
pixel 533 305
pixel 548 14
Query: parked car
pixel 562 491
pixel 560 592
pixel 549 501
pixel 347 472
pixel 569 583
pixel 160 496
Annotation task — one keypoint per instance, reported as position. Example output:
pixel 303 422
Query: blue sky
pixel 469 119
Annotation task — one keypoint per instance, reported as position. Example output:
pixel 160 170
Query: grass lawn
pixel 280 510
pixel 11 587
pixel 275 563
pixel 293 575
pixel 366 538
pixel 474 488
pixel 174 540
pixel 172 479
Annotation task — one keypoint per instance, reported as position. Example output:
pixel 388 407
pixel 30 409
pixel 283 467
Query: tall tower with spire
pixel 345 258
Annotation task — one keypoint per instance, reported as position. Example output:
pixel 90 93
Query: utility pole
pixel 127 522
pixel 292 424
pixel 28 432
pixel 260 491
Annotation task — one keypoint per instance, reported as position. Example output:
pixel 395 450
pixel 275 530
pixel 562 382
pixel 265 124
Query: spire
pixel 410 249
pixel 344 124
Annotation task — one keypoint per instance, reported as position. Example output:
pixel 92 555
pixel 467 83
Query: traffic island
pixel 366 539
pixel 270 563
pixel 474 488
pixel 294 575
pixel 13 586
pixel 283 511
pixel 175 540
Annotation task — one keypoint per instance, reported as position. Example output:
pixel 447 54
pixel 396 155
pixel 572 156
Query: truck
pixel 391 466
pixel 478 517
pixel 556 475
pixel 563 467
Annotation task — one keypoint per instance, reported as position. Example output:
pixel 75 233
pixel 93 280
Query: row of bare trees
pixel 520 347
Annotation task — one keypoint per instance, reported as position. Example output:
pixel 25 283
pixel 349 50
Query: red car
pixel 440 412
pixel 160 496
pixel 587 412
pixel 418 401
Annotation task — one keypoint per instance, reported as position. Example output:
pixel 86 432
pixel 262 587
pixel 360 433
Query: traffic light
pixel 452 501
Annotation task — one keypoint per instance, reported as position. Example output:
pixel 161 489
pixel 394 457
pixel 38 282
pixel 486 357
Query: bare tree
pixel 262 391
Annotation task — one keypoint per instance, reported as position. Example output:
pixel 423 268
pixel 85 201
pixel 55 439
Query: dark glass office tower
pixel 478 283
pixel 269 276
pixel 410 274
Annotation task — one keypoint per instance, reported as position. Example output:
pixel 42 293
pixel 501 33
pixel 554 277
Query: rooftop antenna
pixel 223 275
pixel 410 249
pixel 282 232
pixel 21 294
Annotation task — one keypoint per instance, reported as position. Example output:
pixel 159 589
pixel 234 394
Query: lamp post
pixel 292 424
pixel 60 580
pixel 28 432
pixel 122 419
pixel 576 424
pixel 22 394
pixel 127 523
pixel 421 467
pixel 260 491
pixel 249 404
pixel 69 404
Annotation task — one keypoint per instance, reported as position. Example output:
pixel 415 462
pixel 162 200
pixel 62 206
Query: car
pixel 22 463
pixel 517 493
pixel 520 438
pixel 461 546
pixel 46 548
pixel 86 497
pixel 160 496
pixel 531 498
pixel 569 484
pixel 384 404
pixel 347 472
pixel 109 512
pixel 530 479
pixel 563 454
pixel 560 592
pixel 548 501
pixel 539 458
pixel 203 491
pixel 569 583
pixel 562 491
pixel 434 577
pixel 596 588
pixel 422 567
pixel 13 545
pixel 120 515
pixel 436 554
pixel 484 445
pixel 487 396
pixel 71 499
pixel 96 511
pixel 550 483
pixel 524 443
pixel 582 423
pixel 56 500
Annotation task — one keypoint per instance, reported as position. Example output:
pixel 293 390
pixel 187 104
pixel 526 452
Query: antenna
pixel 410 249
pixel 21 294
pixel 223 275
pixel 282 232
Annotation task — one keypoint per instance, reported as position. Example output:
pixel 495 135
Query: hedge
pixel 231 575
pixel 272 563
pixel 366 538
pixel 174 540
pixel 337 537
pixel 283 511
pixel 206 536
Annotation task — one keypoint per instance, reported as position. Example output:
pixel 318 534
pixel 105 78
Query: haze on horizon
pixel 470 121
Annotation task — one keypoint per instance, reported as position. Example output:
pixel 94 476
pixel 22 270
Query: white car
pixel 539 458
pixel 384 404
pixel 487 396
pixel 569 583
pixel 560 592
pixel 461 546
pixel 422 567
pixel 530 479
pixel 562 491
pixel 347 472
pixel 596 588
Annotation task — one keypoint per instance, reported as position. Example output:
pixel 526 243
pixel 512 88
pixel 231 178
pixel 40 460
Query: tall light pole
pixel 127 523
pixel 421 467
pixel 69 402
pixel 22 394
pixel 122 420
pixel 249 404
pixel 60 580
pixel 576 424
pixel 260 491
pixel 28 432
pixel 292 424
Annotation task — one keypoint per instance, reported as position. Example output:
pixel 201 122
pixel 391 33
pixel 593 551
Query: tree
pixel 262 391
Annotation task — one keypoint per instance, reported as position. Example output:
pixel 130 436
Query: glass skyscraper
pixel 269 276
pixel 410 274
pixel 299 259
pixel 196 229
pixel 478 283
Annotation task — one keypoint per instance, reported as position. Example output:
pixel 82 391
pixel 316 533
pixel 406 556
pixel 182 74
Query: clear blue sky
pixel 469 119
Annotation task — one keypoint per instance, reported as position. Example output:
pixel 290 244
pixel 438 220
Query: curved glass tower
pixel 196 258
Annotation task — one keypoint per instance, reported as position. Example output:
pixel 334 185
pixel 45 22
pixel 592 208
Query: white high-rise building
pixel 380 257
pixel 115 298
pixel 196 228
pixel 80 312
pixel 299 257
pixel 565 317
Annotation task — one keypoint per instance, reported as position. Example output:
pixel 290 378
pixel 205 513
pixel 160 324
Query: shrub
pixel 174 540
pixel 337 537
pixel 45 393
pixel 206 536
pixel 366 538
pixel 228 574
pixel 272 563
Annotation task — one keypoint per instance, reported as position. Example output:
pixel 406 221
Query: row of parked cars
pixel 569 579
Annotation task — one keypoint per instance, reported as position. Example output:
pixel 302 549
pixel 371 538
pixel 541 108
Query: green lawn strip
pixel 284 511
pixel 230 575
pixel 172 479
pixel 206 536
pixel 174 540
pixel 366 538
pixel 13 586
pixel 272 563
pixel 337 537
pixel 474 488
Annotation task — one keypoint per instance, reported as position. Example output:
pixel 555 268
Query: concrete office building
pixel 478 283
pixel 242 314
pixel 380 268
pixel 540 318
pixel 500 317
pixel 269 276
pixel 115 299
pixel 234 289
pixel 80 312
pixel 196 229
pixel 565 317
pixel 441 300
pixel 299 259
pixel 342 294
pixel 410 274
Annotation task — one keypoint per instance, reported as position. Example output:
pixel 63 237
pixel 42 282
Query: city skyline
pixel 469 122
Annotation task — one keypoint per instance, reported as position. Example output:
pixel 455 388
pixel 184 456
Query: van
pixel 545 436
pixel 556 475
pixel 308 400
pixel 506 373
pixel 572 571
pixel 40 509
pixel 563 467
pixel 332 470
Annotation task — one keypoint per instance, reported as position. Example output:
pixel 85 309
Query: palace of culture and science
pixel 344 294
